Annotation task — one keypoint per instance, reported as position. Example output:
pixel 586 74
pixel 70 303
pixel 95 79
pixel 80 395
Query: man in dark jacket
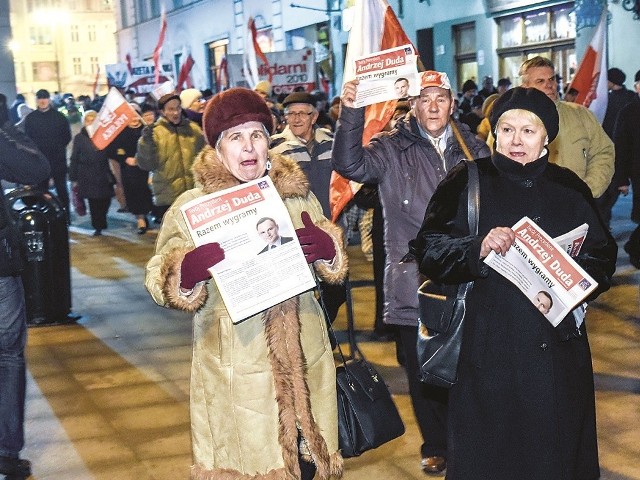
pixel 627 142
pixel 407 163
pixel 20 162
pixel 50 131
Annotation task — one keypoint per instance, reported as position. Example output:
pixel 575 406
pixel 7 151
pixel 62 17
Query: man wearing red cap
pixel 407 163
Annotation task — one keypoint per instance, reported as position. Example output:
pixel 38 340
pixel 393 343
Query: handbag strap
pixel 473 214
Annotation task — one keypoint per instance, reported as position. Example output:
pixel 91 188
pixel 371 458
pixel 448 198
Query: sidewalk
pixel 108 396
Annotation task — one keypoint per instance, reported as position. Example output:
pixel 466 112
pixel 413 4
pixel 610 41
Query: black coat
pixel 627 141
pixel 51 132
pixel 90 168
pixel 524 403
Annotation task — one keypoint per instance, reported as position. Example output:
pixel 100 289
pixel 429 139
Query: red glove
pixel 197 261
pixel 316 243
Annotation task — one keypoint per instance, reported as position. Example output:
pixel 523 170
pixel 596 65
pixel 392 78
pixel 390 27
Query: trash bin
pixel 46 276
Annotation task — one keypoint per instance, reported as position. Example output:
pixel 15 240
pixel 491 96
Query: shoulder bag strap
pixel 473 213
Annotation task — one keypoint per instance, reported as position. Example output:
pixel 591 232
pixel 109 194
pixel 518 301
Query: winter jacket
pixel 316 165
pixel 90 168
pixel 583 146
pixel 256 384
pixel 407 170
pixel 51 133
pixel 627 141
pixel 168 151
pixel 523 406
pixel 616 101
pixel 20 162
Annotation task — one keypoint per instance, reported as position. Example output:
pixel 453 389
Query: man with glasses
pixel 407 163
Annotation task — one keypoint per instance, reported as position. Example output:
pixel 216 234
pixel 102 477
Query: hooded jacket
pixel 259 384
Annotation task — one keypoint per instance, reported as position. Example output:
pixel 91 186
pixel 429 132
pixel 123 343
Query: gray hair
pixel 217 145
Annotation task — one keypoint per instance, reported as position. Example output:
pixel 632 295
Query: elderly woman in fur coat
pixel 263 395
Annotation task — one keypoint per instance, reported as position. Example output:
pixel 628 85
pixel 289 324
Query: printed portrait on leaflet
pixel 543 302
pixel 268 231
pixel 401 86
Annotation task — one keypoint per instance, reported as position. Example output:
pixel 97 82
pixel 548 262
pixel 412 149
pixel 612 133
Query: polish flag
pixel 113 118
pixel 129 66
pixel 253 52
pixel 185 71
pixel 222 75
pixel 590 79
pixel 158 50
pixel 375 27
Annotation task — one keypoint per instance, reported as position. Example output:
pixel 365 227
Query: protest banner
pixel 252 277
pixel 288 70
pixel 140 78
pixel 113 117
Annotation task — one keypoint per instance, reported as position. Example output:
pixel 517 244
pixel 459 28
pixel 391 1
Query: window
pixel 218 73
pixel 75 35
pixel 94 65
pixel 77 66
pixel 465 52
pixel 40 36
pixel 549 32
pixel 91 31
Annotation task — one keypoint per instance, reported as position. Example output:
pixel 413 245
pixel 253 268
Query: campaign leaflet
pixel 252 277
pixel 387 75
pixel 544 271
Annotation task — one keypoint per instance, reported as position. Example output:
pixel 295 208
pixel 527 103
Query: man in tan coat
pixel 582 145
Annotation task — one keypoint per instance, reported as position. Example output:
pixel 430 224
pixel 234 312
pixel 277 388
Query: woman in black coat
pixel 524 403
pixel 135 181
pixel 89 170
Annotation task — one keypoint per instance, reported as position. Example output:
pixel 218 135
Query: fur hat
pixel 188 96
pixel 299 97
pixel 431 78
pixel 166 99
pixel 616 76
pixel 234 107
pixel 529 99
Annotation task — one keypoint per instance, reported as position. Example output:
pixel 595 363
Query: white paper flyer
pixel 543 271
pixel 264 263
pixel 387 75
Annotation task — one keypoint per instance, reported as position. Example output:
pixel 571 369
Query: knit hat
pixel 299 97
pixel 431 78
pixel 264 87
pixel 616 76
pixel 469 85
pixel 42 93
pixel 166 99
pixel 188 96
pixel 529 99
pixel 231 108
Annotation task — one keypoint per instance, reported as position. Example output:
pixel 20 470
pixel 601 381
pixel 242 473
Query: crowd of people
pixel 263 399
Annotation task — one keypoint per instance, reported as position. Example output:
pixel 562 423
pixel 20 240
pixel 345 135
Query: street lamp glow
pixel 14 46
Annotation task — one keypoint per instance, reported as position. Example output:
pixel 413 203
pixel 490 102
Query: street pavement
pixel 108 396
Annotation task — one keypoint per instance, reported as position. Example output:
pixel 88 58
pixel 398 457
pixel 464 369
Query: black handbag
pixel 367 415
pixel 442 310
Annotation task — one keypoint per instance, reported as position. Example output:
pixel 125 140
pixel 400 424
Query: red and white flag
pixel 375 27
pixel 252 52
pixel 96 82
pixel 184 77
pixel 590 79
pixel 222 75
pixel 158 50
pixel 113 117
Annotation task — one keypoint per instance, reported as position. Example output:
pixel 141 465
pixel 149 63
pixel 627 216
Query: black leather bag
pixel 367 414
pixel 442 312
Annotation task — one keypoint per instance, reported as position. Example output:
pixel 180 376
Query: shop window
pixel 217 52
pixel 465 52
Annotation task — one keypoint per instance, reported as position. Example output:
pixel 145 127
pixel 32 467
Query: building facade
pixel 61 45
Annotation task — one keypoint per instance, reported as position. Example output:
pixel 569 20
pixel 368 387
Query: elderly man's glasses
pixel 298 114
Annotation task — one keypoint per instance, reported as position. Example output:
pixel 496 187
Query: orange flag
pixel 375 27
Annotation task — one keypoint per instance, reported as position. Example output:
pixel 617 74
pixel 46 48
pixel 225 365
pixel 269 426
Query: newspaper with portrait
pixel 387 75
pixel 542 268
pixel 252 277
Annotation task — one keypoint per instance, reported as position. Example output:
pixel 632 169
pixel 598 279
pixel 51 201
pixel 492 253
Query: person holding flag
pixel 582 145
pixel 407 163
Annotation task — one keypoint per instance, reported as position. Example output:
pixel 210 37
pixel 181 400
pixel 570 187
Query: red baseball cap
pixel 431 78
